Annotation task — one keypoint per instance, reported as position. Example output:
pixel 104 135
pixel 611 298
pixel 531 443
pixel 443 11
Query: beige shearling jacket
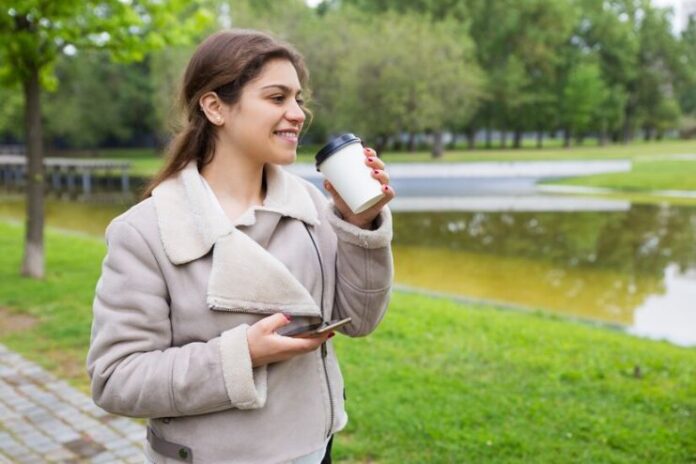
pixel 180 285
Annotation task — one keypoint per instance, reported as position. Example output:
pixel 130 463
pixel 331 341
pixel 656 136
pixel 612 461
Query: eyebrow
pixel 284 88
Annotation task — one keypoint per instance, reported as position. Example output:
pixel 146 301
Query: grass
pixel 646 176
pixel 438 381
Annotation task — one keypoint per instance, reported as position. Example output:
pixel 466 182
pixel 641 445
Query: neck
pixel 236 181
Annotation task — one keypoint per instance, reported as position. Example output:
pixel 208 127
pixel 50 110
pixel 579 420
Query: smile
pixel 287 135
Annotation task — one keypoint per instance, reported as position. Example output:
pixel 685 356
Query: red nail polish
pixel 376 171
pixel 287 317
pixel 369 159
pixel 386 188
pixel 332 334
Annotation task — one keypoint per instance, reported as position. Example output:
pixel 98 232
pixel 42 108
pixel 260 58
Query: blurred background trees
pixel 413 74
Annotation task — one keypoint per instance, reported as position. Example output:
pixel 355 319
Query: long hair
pixel 223 64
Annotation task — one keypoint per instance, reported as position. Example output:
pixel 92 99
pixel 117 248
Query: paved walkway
pixel 43 419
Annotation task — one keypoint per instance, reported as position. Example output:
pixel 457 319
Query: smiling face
pixel 264 125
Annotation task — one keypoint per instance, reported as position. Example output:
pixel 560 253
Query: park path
pixel 43 419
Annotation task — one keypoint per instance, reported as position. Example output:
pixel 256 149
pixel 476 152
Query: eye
pixel 278 98
pixel 300 101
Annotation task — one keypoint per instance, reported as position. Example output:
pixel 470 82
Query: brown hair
pixel 223 63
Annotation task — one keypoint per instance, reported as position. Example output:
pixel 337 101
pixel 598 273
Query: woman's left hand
pixel 364 220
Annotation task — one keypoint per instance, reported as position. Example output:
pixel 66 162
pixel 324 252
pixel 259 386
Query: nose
pixel 295 114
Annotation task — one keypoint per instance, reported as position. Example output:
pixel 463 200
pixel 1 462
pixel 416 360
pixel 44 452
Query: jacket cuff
pixel 364 238
pixel 246 386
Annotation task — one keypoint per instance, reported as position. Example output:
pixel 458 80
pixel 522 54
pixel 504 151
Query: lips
pixel 289 135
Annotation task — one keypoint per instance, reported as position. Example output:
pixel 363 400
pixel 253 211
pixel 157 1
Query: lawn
pixel 438 381
pixel 647 175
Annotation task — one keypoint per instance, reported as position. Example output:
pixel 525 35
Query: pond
pixel 635 268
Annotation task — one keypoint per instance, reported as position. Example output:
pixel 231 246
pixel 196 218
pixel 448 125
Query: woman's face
pixel 266 121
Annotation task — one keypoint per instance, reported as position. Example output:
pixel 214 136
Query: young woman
pixel 227 248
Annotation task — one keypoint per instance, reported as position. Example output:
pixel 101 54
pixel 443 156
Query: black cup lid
pixel 333 146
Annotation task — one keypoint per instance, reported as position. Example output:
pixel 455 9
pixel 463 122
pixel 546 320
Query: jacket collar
pixel 190 224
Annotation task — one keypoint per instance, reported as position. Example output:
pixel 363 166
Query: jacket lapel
pixel 244 276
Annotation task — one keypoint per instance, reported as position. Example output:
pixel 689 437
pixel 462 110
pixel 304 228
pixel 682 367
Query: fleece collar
pixel 190 224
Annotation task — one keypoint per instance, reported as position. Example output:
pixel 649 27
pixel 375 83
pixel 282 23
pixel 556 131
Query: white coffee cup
pixel 342 162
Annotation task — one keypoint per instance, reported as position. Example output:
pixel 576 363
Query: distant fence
pixel 65 174
pixel 12 149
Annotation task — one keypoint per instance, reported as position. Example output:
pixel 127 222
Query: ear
pixel 212 108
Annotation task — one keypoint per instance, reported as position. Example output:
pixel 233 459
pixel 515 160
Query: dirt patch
pixel 15 322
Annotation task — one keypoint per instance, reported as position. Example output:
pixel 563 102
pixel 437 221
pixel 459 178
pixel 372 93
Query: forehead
pixel 277 72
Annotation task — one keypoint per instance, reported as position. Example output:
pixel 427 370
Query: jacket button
pixel 183 454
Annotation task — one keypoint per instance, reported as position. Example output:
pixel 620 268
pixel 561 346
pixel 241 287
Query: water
pixel 633 266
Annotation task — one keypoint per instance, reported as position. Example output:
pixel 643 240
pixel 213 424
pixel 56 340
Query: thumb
pixel 272 323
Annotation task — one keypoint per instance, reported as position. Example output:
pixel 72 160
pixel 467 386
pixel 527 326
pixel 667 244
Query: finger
pixel 374 162
pixel 389 195
pixel 370 152
pixel 306 344
pixel 272 323
pixel 381 175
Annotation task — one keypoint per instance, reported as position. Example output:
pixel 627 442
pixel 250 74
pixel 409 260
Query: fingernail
pixel 332 334
pixel 386 188
pixel 376 171
pixel 287 317
pixel 370 159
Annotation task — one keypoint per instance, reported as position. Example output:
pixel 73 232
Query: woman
pixel 226 249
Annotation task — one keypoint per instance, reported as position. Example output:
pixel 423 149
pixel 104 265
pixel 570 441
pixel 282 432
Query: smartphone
pixel 312 330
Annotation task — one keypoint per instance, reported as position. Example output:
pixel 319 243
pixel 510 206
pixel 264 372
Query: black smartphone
pixel 312 330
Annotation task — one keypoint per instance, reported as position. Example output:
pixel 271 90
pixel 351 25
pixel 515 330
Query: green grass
pixel 646 176
pixel 438 381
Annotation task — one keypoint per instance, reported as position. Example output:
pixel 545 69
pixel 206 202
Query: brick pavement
pixel 43 419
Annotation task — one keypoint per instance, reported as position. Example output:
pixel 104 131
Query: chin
pixel 285 158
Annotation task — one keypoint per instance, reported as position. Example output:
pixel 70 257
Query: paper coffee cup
pixel 342 162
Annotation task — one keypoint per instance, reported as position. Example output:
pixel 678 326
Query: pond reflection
pixel 626 267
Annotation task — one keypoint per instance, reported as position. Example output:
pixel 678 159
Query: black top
pixel 333 146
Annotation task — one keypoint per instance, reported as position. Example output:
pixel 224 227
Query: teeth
pixel 287 134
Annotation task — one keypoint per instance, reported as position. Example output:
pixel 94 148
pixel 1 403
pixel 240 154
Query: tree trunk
pixel 540 138
pixel 489 137
pixel 628 121
pixel 380 144
pixel 517 141
pixel 566 138
pixel 503 138
pixel 471 138
pixel 453 143
pixel 411 142
pixel 438 147
pixel 602 136
pixel 33 262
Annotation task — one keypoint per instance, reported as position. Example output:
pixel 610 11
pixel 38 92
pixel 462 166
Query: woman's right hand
pixel 266 346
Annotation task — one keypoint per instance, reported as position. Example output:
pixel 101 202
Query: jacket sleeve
pixel 364 271
pixel 134 369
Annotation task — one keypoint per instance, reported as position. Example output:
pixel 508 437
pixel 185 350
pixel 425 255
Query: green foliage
pixel 34 34
pixel 583 96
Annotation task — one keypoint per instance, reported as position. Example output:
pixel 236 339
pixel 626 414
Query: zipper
pixel 324 350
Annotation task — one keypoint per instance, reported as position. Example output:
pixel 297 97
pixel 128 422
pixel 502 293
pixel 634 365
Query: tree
pixel 34 34
pixel 583 95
